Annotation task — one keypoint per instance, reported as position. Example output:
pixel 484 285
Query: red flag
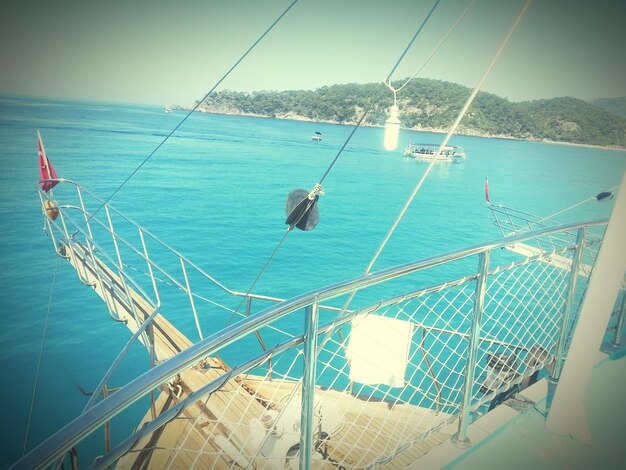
pixel 487 190
pixel 46 171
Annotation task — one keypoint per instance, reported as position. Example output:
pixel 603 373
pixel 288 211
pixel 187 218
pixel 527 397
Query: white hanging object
pixel 392 129
pixel 378 350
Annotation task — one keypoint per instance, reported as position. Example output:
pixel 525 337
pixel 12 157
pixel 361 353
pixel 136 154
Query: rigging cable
pixel 435 50
pixel 318 188
pixel 267 263
pixel 406 49
pixel 572 206
pixel 443 144
pixel 198 103
pixel 43 342
pixel 408 46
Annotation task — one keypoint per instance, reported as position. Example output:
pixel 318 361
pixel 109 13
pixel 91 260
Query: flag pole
pixel 487 191
pixel 44 157
pixel 43 152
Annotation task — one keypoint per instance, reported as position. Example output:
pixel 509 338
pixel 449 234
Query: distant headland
pixel 431 105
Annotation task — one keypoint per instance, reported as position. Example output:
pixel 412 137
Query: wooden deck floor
pixel 226 430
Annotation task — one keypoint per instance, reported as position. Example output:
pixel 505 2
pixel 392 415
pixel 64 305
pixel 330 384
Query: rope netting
pixel 513 221
pixel 390 375
pixel 253 420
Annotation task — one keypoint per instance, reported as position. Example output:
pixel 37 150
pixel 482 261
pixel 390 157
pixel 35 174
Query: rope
pixel 332 163
pixel 43 341
pixel 318 188
pixel 429 367
pixel 357 125
pixel 443 144
pixel 435 50
pixel 174 455
pixel 571 207
pixel 408 46
pixel 280 243
pixel 260 38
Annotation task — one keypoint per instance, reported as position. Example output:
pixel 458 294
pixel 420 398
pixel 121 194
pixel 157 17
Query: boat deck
pixel 221 441
pixel 229 429
pixel 517 437
pixel 555 260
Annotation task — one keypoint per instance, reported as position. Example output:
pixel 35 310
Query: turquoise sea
pixel 216 192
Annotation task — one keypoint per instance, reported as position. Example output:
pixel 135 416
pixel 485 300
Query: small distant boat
pixel 317 136
pixel 450 153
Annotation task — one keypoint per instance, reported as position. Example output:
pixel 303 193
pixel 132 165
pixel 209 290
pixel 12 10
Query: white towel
pixel 378 350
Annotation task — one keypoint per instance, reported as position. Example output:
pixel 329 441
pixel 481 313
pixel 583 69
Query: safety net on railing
pixel 390 380
pixel 390 372
pixel 512 221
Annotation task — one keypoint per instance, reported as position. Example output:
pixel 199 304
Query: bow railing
pixel 432 345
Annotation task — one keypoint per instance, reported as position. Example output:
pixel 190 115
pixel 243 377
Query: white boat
pixel 317 136
pixel 449 153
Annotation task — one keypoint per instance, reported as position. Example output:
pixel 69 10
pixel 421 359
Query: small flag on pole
pixel 46 171
pixel 487 190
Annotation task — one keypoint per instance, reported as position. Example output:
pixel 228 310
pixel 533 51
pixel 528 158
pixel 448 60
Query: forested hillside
pixel 433 105
pixel 612 105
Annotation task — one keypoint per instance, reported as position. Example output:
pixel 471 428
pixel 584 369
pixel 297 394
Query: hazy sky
pixel 167 52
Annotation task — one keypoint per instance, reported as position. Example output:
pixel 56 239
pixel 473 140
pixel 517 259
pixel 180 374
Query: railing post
pixel 311 319
pixel 82 206
pixel 259 337
pixel 119 259
pixel 133 311
pixel 568 414
pixel 65 231
pixel 151 272
pixel 559 356
pixel 460 439
pixel 150 329
pixel 191 302
pixel 114 238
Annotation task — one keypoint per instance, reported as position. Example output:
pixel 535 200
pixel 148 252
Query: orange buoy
pixel 52 211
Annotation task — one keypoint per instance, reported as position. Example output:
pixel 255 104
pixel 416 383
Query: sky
pixel 165 52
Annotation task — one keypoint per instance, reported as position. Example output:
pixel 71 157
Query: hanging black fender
pixel 302 211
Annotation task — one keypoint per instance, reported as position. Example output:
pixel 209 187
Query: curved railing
pixel 479 322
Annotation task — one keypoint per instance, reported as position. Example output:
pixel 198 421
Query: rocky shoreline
pixel 233 111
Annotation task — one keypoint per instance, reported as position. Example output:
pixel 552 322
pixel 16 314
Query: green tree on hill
pixel 434 104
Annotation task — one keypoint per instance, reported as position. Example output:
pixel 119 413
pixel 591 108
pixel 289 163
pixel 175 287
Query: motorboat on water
pixel 449 153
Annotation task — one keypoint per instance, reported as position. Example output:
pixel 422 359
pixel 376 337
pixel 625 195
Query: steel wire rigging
pixel 40 357
pixel 451 131
pixel 299 213
pixel 198 103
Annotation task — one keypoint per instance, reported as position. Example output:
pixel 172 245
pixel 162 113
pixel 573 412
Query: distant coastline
pixel 464 132
pixel 591 146
pixel 431 105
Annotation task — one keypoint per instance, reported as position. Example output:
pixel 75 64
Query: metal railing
pixel 512 221
pixel 497 320
pixel 140 258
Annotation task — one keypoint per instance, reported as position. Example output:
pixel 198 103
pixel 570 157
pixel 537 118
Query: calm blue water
pixel 216 192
